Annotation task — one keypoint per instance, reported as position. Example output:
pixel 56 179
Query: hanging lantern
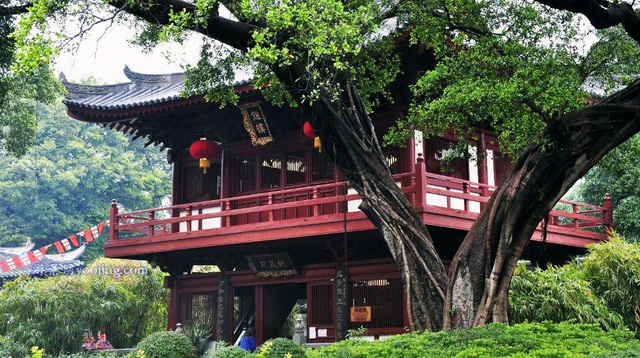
pixel 205 150
pixel 308 131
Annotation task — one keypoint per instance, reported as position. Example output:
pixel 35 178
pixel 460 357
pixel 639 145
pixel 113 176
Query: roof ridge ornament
pixel 138 78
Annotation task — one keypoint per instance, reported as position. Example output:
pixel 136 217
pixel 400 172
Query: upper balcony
pixel 326 209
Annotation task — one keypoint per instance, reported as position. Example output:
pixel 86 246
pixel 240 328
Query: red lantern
pixel 308 131
pixel 205 150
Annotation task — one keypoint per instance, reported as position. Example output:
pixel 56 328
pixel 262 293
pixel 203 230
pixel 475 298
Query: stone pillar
pixel 342 308
pixel 222 318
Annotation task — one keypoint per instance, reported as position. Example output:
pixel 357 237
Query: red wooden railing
pixel 424 190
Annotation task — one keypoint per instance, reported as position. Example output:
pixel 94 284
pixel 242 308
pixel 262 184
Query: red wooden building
pixel 277 219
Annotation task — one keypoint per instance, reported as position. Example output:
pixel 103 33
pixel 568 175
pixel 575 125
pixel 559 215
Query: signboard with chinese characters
pixel 271 265
pixel 360 314
pixel 255 123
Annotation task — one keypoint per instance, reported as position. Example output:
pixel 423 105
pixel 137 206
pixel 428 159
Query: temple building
pixel 280 223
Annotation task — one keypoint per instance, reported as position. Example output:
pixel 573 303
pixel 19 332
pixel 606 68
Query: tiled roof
pixel 142 90
pixel 50 265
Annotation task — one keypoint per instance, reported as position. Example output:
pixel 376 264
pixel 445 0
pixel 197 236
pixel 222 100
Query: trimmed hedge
pixel 496 340
pixel 166 345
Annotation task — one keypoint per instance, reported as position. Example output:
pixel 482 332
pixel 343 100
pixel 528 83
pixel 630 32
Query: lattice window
pixel 198 308
pixel 385 298
pixel 321 304
pixel 296 168
pixel 271 172
pixel 322 166
pixel 246 174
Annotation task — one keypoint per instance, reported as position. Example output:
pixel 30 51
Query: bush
pixel 225 351
pixel 166 345
pixel 604 288
pixel 494 340
pixel 279 347
pixel 9 348
pixel 558 294
pixel 613 268
pixel 52 313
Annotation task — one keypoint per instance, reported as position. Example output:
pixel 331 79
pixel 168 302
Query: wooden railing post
pixel 188 221
pixel 608 211
pixel 227 207
pixel 420 173
pixel 152 217
pixel 316 207
pixel 113 221
pixel 269 203
pixel 576 222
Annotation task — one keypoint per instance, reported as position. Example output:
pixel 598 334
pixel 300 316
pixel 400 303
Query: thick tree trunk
pixel 348 135
pixel 481 271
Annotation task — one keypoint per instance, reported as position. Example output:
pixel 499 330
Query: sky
pixel 105 51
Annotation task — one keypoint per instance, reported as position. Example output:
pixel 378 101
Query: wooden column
pixel 608 211
pixel 341 305
pixel 222 320
pixel 420 177
pixel 176 188
pixel 483 171
pixel 173 308
pixel 113 222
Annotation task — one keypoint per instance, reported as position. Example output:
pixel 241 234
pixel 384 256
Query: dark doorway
pixel 279 309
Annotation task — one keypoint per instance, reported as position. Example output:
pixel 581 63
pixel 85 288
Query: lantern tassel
pixel 204 164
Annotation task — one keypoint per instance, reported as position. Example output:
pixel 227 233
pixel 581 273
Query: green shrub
pixel 558 294
pixel 494 340
pixel 279 347
pixel 604 288
pixel 52 313
pixel 613 268
pixel 225 351
pixel 9 348
pixel 166 345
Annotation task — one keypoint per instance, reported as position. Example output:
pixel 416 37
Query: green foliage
pixel 8 348
pixel 198 334
pixel 494 340
pixel 66 182
pixel 20 90
pixel 603 288
pixel 226 351
pixel 53 313
pixel 618 174
pixel 166 345
pixel 280 347
pixel 613 268
pixel 558 294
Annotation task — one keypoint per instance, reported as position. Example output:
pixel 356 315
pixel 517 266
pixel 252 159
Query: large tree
pixel 514 66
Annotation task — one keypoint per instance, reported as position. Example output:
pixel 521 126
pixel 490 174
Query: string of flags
pixel 61 246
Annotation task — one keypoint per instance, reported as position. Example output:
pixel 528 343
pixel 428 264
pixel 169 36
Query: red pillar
pixel 113 221
pixel 483 171
pixel 420 173
pixel 171 284
pixel 608 211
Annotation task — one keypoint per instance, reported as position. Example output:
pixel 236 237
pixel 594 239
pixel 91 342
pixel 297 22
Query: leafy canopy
pixel 506 65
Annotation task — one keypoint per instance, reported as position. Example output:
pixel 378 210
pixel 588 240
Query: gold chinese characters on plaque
pixel 360 314
pixel 271 265
pixel 255 123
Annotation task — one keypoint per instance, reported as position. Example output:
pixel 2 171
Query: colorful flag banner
pixel 61 245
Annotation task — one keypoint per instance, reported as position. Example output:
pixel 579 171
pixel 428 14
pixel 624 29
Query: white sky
pixel 104 56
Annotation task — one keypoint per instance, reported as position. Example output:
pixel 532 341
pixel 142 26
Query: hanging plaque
pixel 271 265
pixel 360 314
pixel 255 123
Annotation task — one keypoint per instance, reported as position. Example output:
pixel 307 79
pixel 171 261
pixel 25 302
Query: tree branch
pixel 602 14
pixel 233 33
